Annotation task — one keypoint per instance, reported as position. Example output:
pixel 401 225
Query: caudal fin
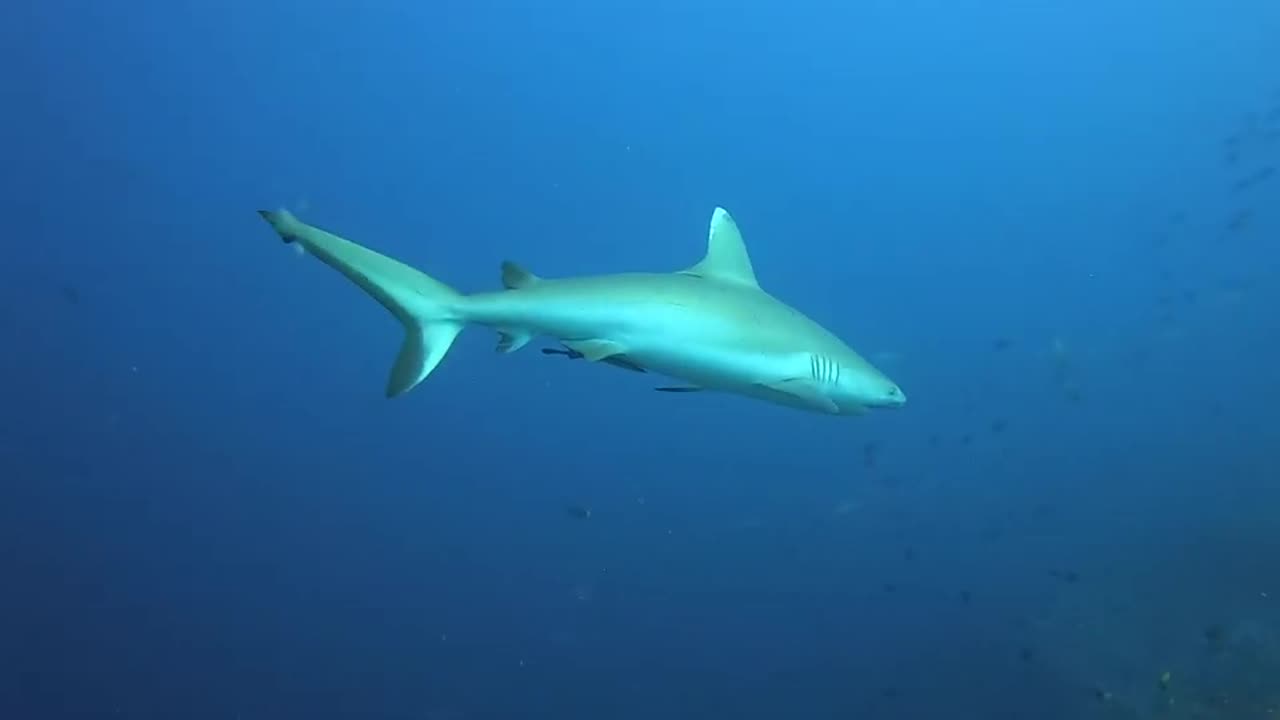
pixel 428 309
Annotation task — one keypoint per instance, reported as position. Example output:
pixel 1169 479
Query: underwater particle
pixel 890 588
pixel 844 507
pixel 1102 694
pixel 1044 511
pixel 870 455
pixel 1216 636
pixel 1001 344
pixel 966 597
pixel 578 512
pixel 1163 683
pixel 934 440
pixel 966 439
pixel 998 425
pixel 993 531
pixel 891 480
pixel 71 294
pixel 1027 654
pixel 909 554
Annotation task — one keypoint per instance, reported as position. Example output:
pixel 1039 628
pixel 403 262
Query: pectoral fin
pixel 802 392
pixel 595 350
pixel 679 389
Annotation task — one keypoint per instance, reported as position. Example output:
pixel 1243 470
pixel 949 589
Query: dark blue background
pixel 1019 210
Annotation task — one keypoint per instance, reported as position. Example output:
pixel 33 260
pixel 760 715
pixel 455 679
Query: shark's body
pixel 710 326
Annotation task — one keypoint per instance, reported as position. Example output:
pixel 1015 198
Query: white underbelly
pixel 706 364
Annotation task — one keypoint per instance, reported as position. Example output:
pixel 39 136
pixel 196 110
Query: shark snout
pixel 894 397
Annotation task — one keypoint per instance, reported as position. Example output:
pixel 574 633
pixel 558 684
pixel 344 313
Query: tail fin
pixel 428 309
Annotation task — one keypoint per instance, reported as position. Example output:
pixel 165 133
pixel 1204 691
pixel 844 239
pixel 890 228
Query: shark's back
pixel 716 304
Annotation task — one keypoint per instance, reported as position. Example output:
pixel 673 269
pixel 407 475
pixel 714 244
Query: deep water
pixel 1054 223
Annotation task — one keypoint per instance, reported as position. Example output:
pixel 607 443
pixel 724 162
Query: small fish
pixel 571 354
pixel 578 512
pixel 1254 179
pixel 616 361
pixel 1070 577
pixel 1216 636
pixel 1239 220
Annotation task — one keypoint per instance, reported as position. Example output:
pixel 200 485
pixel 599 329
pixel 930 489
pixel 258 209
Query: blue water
pixel 1051 222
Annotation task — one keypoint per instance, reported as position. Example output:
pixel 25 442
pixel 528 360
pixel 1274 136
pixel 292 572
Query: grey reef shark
pixel 710 326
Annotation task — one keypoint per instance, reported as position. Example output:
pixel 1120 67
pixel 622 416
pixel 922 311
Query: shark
pixel 709 326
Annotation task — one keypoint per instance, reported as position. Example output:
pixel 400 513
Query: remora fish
pixel 710 325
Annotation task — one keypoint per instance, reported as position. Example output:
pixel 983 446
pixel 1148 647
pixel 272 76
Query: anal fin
pixel 515 276
pixel 595 350
pixel 510 340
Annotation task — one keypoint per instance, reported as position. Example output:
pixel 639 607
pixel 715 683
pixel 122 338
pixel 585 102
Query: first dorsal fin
pixel 726 259
pixel 515 276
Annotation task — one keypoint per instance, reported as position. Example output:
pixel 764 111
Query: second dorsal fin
pixel 515 276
